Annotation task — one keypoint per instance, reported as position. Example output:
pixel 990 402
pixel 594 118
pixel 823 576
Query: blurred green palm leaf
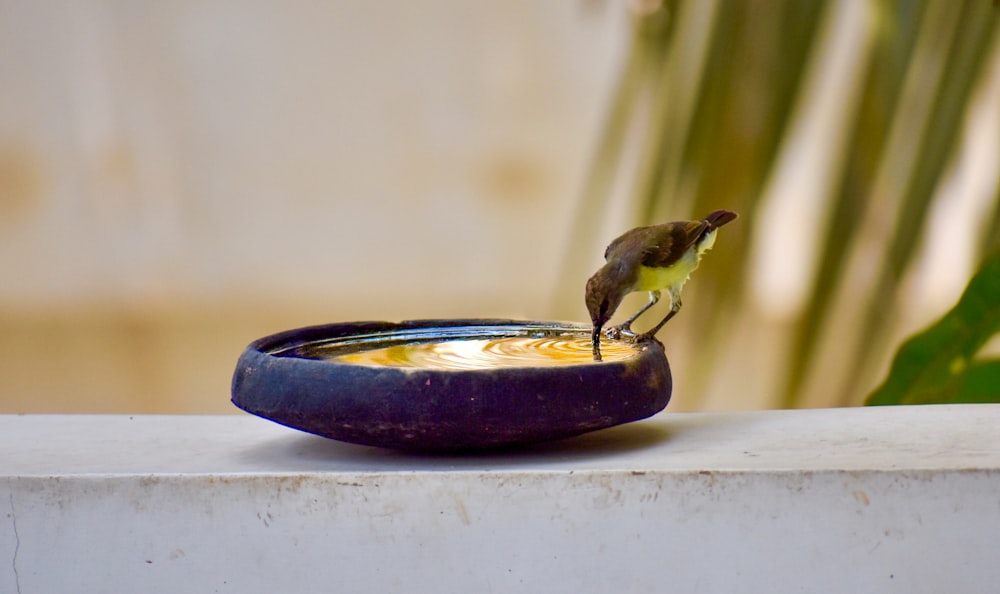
pixel 703 115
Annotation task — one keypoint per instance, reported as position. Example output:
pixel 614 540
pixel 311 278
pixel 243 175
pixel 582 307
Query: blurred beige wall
pixel 179 178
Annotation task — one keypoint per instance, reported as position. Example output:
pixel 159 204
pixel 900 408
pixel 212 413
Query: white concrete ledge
pixel 900 499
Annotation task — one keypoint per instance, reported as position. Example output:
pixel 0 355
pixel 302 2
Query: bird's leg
pixel 625 327
pixel 675 306
pixel 595 338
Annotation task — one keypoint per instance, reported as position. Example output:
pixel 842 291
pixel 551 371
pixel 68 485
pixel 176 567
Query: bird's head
pixel 605 291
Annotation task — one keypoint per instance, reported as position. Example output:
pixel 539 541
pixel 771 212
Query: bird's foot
pixel 645 336
pixel 619 331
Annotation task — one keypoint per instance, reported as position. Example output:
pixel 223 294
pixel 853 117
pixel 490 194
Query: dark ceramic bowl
pixel 290 379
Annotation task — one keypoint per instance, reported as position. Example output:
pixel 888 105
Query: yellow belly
pixel 674 276
pixel 656 279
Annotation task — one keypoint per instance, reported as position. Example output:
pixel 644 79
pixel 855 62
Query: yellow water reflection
pixel 512 351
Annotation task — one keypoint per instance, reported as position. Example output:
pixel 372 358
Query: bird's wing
pixel 626 241
pixel 669 242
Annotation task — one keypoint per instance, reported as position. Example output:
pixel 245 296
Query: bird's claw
pixel 617 332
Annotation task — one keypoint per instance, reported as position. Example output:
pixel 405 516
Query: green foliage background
pixel 939 365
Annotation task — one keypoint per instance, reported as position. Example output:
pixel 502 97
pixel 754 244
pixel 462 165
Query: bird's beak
pixel 595 339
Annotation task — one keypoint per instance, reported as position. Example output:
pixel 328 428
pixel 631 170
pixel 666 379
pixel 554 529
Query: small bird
pixel 650 259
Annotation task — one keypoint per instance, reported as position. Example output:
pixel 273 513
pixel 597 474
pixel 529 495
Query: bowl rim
pixel 289 343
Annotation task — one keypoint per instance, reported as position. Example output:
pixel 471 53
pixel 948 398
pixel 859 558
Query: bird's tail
pixel 719 218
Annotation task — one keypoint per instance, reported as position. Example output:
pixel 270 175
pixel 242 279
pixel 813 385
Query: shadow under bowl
pixel 297 379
